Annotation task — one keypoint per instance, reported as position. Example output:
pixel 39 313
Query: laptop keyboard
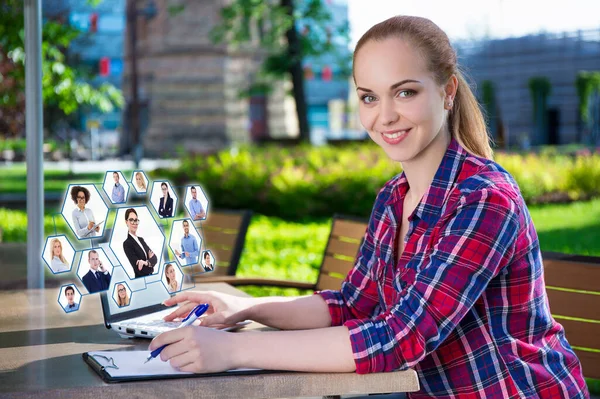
pixel 156 325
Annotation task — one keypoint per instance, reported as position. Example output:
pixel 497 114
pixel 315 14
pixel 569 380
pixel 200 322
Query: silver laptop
pixel 143 317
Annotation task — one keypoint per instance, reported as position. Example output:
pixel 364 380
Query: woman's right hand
pixel 224 309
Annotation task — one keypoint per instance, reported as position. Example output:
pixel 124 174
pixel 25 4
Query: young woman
pixel 139 254
pixel 165 206
pixel 83 218
pixel 206 262
pixel 170 275
pixel 139 181
pixel 449 278
pixel 122 296
pixel 58 262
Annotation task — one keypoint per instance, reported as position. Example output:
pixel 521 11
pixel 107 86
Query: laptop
pixel 143 317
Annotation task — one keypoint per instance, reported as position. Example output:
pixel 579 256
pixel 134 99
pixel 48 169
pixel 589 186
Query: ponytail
pixel 466 122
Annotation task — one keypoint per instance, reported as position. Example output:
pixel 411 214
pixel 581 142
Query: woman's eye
pixel 406 93
pixel 367 99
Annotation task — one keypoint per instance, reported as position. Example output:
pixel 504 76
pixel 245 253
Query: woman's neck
pixel 82 207
pixel 133 234
pixel 421 170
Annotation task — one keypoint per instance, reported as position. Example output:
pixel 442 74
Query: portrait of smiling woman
pixel 140 256
pixel 449 278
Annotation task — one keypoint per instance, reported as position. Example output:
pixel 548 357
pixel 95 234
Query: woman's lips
pixel 396 136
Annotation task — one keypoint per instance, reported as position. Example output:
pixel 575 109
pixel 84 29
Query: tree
pixel 64 88
pixel 284 47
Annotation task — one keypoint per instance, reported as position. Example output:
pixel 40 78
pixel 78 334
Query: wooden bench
pixel 344 241
pixel 573 287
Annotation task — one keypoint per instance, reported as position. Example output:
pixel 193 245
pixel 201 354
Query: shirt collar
pixel 430 206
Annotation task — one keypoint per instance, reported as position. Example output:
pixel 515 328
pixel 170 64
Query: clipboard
pixel 103 363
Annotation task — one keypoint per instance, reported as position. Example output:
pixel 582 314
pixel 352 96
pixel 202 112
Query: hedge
pixel 305 181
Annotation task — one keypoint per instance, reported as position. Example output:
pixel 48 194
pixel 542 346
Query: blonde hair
pixel 142 179
pixel 61 256
pixel 122 302
pixel 465 120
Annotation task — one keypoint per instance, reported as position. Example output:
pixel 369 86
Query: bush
pixel 304 181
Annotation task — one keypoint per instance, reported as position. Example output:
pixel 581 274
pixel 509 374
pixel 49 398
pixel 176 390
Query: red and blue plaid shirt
pixel 465 305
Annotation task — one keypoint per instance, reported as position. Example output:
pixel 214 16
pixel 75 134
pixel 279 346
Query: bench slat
pixel 573 275
pixel 590 363
pixel 574 304
pixel 342 248
pixel 328 283
pixel 222 221
pixel 219 238
pixel 349 229
pixel 583 334
pixel 333 265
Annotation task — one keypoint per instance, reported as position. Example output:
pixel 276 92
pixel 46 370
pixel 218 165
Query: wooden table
pixel 41 347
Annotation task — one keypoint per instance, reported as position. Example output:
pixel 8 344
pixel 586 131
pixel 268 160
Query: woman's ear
pixel 451 89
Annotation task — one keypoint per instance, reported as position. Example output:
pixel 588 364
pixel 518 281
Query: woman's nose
pixel 388 114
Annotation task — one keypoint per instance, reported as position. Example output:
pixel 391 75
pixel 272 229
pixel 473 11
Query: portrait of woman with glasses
pixel 165 207
pixel 140 256
pixel 84 223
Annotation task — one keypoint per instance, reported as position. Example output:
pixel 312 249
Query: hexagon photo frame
pixel 140 181
pixel 122 294
pixel 196 202
pixel 116 187
pixel 137 245
pixel 95 270
pixel 172 278
pixel 164 199
pixel 185 244
pixel 59 254
pixel 69 298
pixel 85 211
pixel 208 261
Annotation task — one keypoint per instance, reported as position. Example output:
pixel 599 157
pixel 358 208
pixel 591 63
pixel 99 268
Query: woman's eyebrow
pixel 394 86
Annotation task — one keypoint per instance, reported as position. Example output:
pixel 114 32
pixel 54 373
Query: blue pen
pixel 192 317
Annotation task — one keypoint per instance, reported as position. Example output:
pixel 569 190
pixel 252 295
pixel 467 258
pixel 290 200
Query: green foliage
pixel 586 83
pixel 320 181
pixel 63 87
pixel 266 23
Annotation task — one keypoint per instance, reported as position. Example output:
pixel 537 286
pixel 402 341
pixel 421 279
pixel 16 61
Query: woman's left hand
pixel 196 349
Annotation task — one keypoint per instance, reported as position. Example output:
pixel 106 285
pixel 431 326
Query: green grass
pixel 14 179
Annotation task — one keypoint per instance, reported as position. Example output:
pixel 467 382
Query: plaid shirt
pixel 465 305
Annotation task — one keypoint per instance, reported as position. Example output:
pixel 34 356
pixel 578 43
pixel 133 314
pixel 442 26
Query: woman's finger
pixel 180 311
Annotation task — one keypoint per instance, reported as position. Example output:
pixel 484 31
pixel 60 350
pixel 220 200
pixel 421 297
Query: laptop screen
pixel 144 295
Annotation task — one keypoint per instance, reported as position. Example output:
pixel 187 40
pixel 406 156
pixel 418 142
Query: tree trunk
pixel 297 73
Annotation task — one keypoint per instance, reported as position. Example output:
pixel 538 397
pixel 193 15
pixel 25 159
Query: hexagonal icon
pixel 172 277
pixel 185 242
pixel 137 241
pixel 58 254
pixel 163 199
pixel 122 294
pixel 139 180
pixel 69 298
pixel 84 211
pixel 95 270
pixel 196 202
pixel 208 261
pixel 115 186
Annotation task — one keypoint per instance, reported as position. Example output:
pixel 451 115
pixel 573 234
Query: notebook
pixel 122 366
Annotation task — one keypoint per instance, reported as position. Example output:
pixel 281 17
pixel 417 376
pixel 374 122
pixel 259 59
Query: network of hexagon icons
pixel 172 277
pixel 122 294
pixel 85 211
pixel 58 253
pixel 95 270
pixel 208 261
pixel 137 241
pixel 163 198
pixel 115 186
pixel 140 181
pixel 196 202
pixel 69 298
pixel 185 242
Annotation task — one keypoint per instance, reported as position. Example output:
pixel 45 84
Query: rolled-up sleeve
pixel 475 241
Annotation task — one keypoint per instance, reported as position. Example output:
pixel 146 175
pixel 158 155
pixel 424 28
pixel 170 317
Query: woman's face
pixel 57 249
pixel 165 190
pixel 207 260
pixel 132 222
pixel 400 104
pixel 171 273
pixel 81 199
pixel 122 291
pixel 139 180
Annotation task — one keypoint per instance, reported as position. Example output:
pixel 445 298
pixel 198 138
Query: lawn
pixel 14 180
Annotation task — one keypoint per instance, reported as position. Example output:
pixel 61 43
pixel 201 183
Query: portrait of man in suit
pixel 97 278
